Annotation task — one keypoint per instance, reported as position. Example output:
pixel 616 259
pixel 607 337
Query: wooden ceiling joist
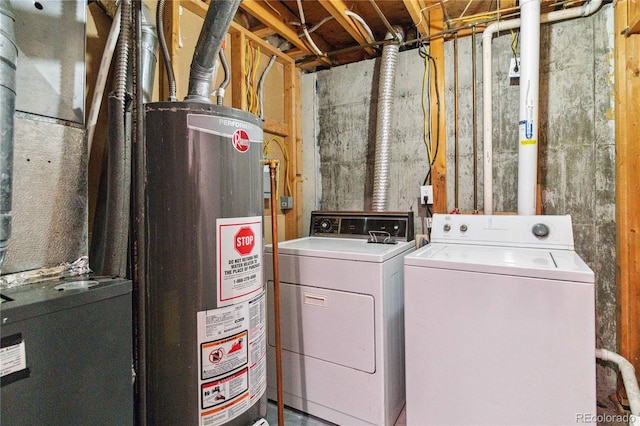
pixel 279 23
pixel 338 9
pixel 418 12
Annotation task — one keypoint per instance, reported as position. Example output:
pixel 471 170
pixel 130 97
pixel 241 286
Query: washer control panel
pixel 383 227
pixel 504 230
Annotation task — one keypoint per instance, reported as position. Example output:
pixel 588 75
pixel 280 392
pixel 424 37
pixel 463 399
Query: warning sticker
pixel 13 359
pixel 224 355
pixel 232 344
pixel 226 389
pixel 239 262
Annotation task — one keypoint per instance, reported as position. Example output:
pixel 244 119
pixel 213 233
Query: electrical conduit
pixel 560 15
pixel 386 92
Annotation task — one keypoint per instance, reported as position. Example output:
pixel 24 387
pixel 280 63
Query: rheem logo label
pixel 240 140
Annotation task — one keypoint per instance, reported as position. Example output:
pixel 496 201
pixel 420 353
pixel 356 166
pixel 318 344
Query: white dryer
pixel 341 301
pixel 500 324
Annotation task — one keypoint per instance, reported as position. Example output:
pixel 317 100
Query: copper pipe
pixel 455 120
pixel 475 119
pixel 273 165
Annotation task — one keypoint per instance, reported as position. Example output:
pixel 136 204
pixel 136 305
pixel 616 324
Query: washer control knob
pixel 447 227
pixel 540 230
pixel 463 228
pixel 325 225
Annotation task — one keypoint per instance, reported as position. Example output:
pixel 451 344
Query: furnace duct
pixel 9 55
pixel 215 27
pixel 386 92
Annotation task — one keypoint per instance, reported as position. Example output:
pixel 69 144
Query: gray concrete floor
pixel 295 417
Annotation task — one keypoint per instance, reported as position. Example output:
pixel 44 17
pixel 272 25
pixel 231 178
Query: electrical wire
pixel 432 155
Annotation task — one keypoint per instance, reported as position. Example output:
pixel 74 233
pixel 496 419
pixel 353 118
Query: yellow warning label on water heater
pixel 528 142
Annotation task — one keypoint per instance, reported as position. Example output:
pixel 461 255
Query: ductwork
pixel 386 93
pixel 214 29
pixel 9 56
pixel 149 45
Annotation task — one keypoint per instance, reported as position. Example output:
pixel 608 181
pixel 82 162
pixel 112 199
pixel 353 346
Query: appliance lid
pixel 342 248
pixel 524 262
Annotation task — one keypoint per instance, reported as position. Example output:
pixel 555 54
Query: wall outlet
pixel 286 203
pixel 514 68
pixel 426 194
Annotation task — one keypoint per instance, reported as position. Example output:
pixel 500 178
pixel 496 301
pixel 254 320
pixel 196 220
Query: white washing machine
pixel 500 324
pixel 341 301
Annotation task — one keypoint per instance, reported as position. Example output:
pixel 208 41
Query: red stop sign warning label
pixel 240 140
pixel 244 241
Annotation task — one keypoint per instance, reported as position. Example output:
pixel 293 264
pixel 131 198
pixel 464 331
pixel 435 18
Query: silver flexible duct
pixel 8 56
pixel 215 27
pixel 149 44
pixel 386 93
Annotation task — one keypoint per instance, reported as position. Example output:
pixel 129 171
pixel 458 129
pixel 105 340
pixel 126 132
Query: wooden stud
pixel 627 123
pixel 438 148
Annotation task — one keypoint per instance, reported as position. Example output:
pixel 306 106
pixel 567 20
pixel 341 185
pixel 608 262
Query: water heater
pixel 205 313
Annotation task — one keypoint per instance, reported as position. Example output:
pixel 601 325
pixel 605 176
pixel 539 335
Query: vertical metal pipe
pixel 475 119
pixel 9 56
pixel 148 42
pixel 215 26
pixel 138 235
pixel 273 165
pixel 455 120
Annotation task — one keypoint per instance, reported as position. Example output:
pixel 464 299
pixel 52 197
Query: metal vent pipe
pixel 9 56
pixel 386 93
pixel 215 27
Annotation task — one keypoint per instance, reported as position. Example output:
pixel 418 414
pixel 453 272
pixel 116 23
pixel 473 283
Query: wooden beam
pixel 634 18
pixel 238 62
pixel 279 25
pixel 263 31
pixel 418 12
pixel 627 123
pixel 292 142
pixel 337 9
pixel 438 122
pixel 276 128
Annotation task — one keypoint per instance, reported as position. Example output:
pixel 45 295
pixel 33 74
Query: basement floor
pixel 608 411
pixel 295 417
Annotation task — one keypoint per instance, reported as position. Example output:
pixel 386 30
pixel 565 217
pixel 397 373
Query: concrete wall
pixel 49 200
pixel 576 139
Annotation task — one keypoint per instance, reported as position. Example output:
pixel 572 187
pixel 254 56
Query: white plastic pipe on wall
pixel 628 374
pixel 529 94
pixel 560 15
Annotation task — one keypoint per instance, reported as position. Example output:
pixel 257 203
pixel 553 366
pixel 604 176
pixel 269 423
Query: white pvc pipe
pixel 487 35
pixel 101 81
pixel 529 94
pixel 358 18
pixel 628 373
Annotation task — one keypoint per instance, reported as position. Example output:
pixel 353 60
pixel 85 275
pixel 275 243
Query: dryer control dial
pixel 540 230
